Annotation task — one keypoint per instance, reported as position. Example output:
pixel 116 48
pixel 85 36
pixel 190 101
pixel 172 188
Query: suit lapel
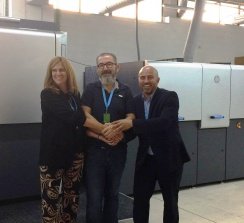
pixel 153 102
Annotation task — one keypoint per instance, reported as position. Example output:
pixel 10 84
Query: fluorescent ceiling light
pixel 26 32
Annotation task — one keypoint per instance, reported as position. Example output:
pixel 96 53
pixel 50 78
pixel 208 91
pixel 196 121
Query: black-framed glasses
pixel 108 65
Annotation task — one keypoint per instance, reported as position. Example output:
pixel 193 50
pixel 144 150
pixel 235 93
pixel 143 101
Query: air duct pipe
pixel 118 5
pixel 192 38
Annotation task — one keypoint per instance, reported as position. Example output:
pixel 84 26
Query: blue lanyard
pixel 107 102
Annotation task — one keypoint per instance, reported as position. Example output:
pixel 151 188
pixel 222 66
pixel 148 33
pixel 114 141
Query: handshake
pixel 112 133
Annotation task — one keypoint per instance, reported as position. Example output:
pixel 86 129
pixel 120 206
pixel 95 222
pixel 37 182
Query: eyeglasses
pixel 108 65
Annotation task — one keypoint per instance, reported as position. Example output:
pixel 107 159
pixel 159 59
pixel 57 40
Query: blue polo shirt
pixel 121 104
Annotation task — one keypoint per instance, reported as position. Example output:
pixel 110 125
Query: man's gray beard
pixel 107 80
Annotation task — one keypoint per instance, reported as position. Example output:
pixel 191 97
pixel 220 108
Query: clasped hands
pixel 112 133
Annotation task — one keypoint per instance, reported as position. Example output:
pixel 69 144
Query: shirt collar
pixel 148 98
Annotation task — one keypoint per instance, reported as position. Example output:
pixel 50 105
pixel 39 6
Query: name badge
pixel 106 117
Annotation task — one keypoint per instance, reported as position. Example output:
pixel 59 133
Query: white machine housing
pixel 23 60
pixel 210 93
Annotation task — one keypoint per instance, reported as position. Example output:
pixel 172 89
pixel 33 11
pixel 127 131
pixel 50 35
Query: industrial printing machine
pixel 211 113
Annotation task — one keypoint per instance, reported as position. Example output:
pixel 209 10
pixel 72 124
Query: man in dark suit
pixel 161 153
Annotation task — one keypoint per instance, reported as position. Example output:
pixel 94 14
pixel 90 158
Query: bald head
pixel 148 80
pixel 148 69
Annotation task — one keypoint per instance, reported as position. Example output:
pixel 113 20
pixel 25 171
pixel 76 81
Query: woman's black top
pixel 62 132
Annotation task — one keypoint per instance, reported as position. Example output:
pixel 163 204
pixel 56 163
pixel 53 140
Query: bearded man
pixel 107 100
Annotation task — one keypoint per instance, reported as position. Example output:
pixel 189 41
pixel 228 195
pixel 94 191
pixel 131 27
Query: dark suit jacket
pixel 62 129
pixel 160 131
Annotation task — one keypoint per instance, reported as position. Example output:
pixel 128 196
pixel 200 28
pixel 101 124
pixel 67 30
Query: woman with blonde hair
pixel 62 143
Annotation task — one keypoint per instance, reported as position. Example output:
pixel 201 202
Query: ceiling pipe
pixel 37 2
pixel 192 38
pixel 118 5
pixel 177 7
pixel 137 34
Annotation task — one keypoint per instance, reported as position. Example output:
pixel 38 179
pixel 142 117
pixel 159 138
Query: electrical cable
pixel 137 37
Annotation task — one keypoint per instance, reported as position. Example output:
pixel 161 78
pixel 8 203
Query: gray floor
pixel 30 211
pixel 218 203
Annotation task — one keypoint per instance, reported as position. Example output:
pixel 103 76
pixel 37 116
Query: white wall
pixel 218 43
pixel 89 35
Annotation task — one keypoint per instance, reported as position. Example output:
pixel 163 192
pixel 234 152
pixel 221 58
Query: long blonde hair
pixel 71 80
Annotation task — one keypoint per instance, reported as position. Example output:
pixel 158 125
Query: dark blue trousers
pixel 146 177
pixel 104 168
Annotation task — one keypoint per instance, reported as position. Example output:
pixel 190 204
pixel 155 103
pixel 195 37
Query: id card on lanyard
pixel 106 115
